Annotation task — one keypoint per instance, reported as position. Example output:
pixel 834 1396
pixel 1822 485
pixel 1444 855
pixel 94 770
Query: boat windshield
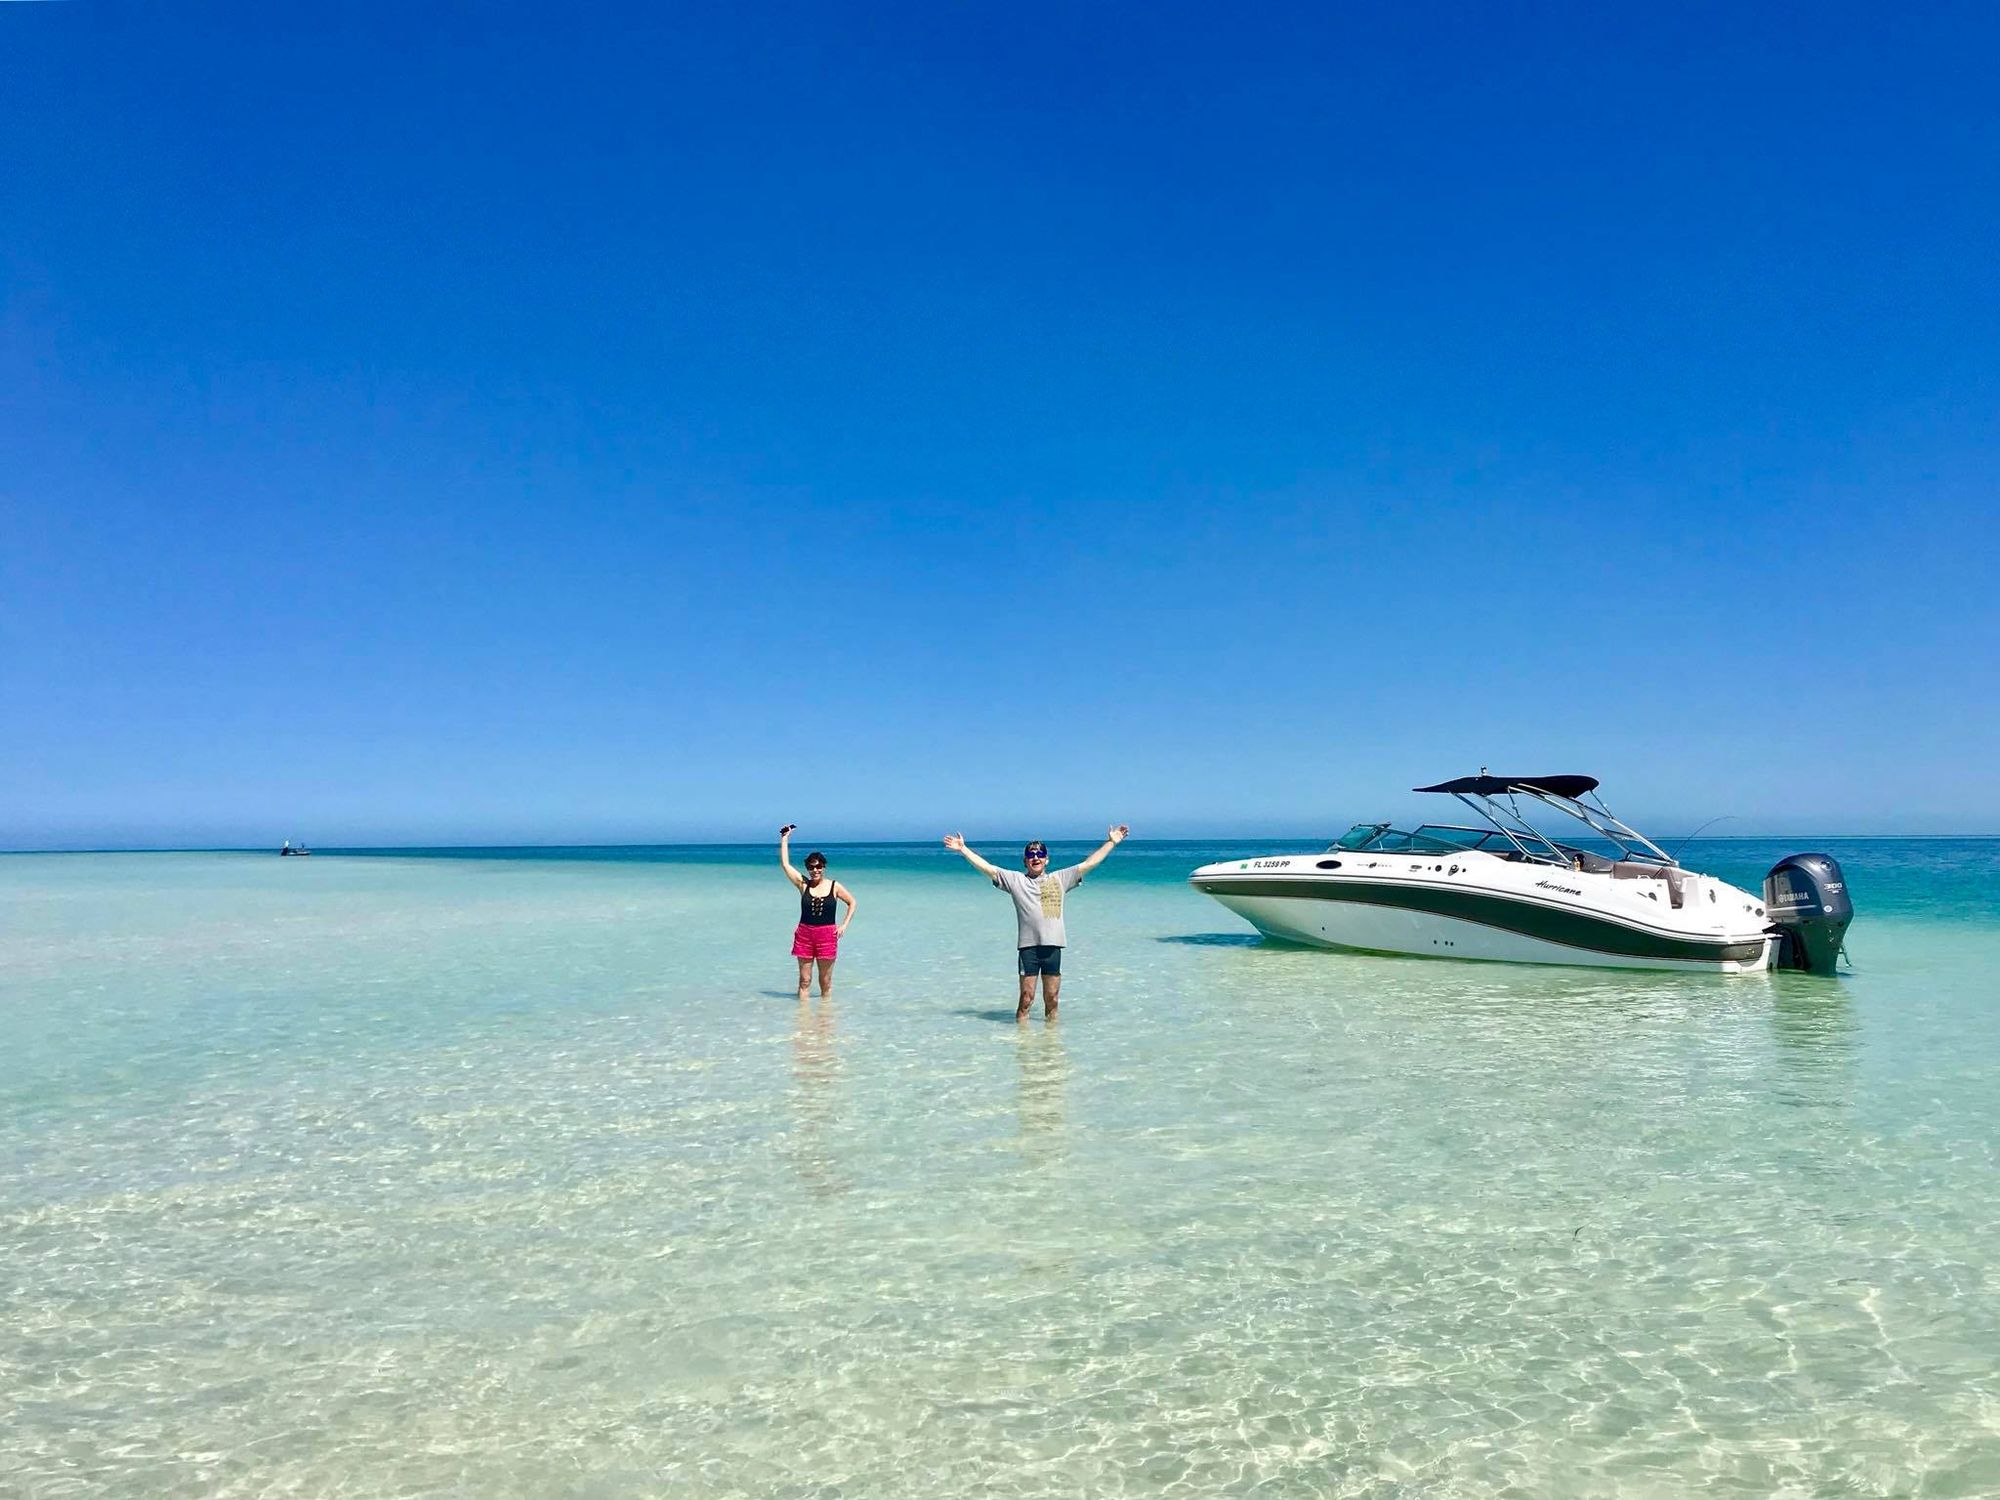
pixel 1359 836
pixel 1430 838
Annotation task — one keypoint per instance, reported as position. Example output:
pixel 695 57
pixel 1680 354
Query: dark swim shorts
pixel 1041 958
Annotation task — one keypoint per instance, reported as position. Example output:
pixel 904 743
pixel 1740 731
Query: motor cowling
pixel 1806 900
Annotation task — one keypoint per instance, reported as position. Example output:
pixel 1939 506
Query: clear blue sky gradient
pixel 543 423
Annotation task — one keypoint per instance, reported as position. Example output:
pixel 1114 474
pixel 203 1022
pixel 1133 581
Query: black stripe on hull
pixel 1549 924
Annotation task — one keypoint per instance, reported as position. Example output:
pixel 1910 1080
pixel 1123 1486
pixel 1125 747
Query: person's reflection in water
pixel 1044 1079
pixel 816 1096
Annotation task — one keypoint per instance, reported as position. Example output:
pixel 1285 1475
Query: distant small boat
pixel 288 849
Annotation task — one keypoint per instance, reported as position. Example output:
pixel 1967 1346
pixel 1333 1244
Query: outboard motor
pixel 1805 896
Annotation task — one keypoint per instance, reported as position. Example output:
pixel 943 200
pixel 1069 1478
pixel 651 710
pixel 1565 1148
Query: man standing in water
pixel 1038 894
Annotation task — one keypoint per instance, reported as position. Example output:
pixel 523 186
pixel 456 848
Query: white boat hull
pixel 1477 906
pixel 1375 929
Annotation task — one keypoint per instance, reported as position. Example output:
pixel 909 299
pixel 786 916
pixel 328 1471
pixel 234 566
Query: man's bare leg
pixel 825 977
pixel 805 977
pixel 1027 997
pixel 1051 987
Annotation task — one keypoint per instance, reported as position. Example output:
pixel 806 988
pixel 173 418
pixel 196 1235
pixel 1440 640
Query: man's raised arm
pixel 957 841
pixel 1112 841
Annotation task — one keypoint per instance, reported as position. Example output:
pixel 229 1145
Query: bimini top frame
pixel 1494 799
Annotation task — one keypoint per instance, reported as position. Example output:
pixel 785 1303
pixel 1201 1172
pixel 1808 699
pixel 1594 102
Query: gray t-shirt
pixel 1038 904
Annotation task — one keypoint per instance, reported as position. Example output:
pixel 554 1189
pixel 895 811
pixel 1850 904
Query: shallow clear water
pixel 529 1176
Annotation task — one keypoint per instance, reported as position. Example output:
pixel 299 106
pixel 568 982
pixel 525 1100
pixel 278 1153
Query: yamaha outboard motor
pixel 1805 896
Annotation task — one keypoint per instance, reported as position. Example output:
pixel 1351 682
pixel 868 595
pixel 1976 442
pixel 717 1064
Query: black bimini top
pixel 1496 786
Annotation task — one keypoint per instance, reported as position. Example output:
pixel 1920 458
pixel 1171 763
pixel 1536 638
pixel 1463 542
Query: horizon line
pixel 366 849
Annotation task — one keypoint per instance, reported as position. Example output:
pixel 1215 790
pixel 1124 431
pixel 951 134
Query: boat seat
pixel 1591 864
pixel 1631 869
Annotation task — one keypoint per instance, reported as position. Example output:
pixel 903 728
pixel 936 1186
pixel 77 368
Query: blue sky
pixel 530 423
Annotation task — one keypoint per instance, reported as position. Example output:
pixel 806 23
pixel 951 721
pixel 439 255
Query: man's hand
pixel 788 830
pixel 956 843
pixel 1113 837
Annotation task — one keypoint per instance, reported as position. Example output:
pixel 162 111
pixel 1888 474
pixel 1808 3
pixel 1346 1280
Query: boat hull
pixel 1437 920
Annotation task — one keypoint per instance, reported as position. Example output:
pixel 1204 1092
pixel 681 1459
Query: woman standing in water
pixel 816 940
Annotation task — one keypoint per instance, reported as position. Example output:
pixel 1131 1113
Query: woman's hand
pixel 788 830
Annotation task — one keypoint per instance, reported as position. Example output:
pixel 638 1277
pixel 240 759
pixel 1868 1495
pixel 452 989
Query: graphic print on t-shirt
pixel 1051 896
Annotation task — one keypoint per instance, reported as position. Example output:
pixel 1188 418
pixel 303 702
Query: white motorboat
pixel 1507 892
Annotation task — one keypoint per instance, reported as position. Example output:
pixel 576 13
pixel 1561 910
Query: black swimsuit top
pixel 816 911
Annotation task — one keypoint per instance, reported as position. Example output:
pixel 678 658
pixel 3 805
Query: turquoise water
pixel 528 1176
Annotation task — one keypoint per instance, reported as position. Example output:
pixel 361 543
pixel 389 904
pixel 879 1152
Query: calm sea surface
pixel 528 1176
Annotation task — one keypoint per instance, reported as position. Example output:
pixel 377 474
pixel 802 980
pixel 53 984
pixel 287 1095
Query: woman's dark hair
pixel 816 858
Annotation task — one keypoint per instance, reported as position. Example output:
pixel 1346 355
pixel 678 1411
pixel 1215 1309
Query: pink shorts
pixel 815 942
